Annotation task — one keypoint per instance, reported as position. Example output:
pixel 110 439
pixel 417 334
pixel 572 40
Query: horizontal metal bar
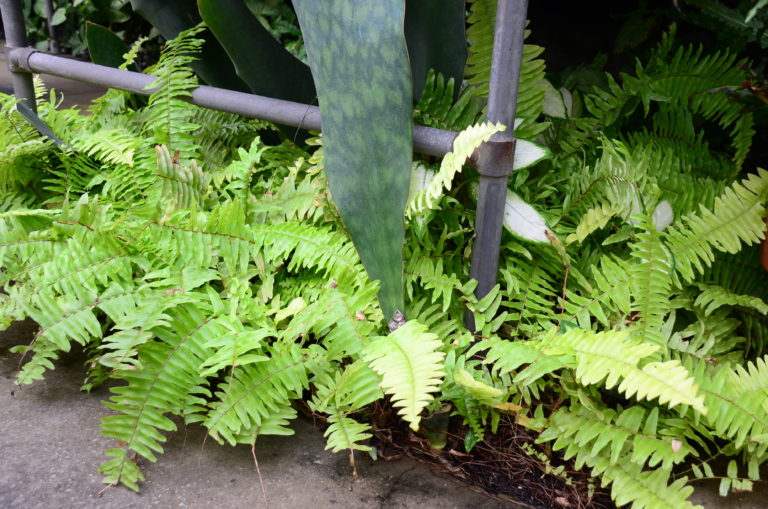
pixel 426 140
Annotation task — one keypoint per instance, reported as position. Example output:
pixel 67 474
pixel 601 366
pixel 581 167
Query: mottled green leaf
pixel 360 65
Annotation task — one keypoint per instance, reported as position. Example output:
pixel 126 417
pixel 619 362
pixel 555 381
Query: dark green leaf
pixel 259 59
pixel 105 47
pixel 434 30
pixel 360 65
pixel 170 17
pixel 26 112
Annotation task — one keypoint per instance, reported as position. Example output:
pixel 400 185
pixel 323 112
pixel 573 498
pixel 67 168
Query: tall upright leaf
pixel 259 59
pixel 434 30
pixel 171 17
pixel 359 62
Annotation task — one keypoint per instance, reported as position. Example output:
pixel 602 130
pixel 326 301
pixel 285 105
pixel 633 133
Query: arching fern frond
pixel 714 297
pixel 608 358
pixel 169 117
pixel 737 219
pixel 256 392
pixel 437 108
pixel 463 147
pixel 167 381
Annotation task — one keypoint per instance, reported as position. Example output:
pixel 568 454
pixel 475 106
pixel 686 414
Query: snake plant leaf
pixel 170 17
pixel 360 66
pixel 435 31
pixel 105 47
pixel 38 123
pixel 259 59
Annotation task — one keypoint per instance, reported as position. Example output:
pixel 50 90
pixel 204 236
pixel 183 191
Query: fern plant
pixel 209 275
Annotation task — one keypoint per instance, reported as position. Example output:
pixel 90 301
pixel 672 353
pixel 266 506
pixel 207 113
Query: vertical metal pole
pixel 495 159
pixel 16 37
pixel 53 42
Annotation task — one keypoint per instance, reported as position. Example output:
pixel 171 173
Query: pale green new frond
pixel 737 219
pixel 463 147
pixel 612 358
pixel 608 358
pixel 410 363
pixel 345 433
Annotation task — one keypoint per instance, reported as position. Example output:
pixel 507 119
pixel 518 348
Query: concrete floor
pixel 50 448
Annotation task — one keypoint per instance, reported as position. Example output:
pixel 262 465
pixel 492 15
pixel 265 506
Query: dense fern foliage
pixel 208 274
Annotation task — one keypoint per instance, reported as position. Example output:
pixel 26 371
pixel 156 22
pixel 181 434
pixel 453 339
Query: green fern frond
pixel 531 285
pixel 340 318
pixel 437 108
pixel 595 219
pixel 735 399
pixel 463 147
pixel 633 433
pixel 410 363
pixel 714 297
pixel 429 273
pixel 650 284
pixel 608 358
pixel 255 392
pixel 166 382
pixel 345 433
pixel 482 22
pixel 649 489
pixel 114 146
pixel 169 117
pixel 737 219
pixel 178 186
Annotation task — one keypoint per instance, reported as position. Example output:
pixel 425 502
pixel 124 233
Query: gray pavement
pixel 51 449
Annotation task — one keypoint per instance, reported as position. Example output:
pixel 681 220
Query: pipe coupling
pixel 495 158
pixel 18 58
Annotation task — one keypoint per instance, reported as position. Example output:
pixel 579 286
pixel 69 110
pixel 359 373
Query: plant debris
pixel 498 466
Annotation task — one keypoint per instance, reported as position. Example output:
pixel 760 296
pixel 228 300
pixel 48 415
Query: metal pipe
pixel 495 158
pixel 427 140
pixel 53 42
pixel 16 37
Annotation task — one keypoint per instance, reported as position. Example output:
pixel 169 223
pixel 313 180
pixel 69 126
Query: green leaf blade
pixel 360 66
